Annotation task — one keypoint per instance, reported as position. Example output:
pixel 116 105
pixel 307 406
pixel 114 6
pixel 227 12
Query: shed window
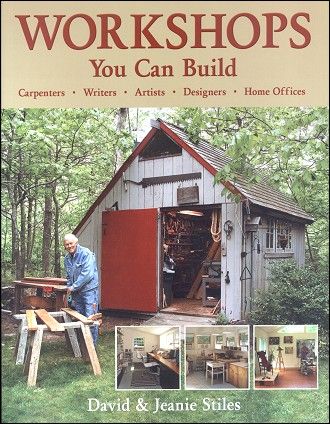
pixel 270 234
pixel 283 236
pixel 278 235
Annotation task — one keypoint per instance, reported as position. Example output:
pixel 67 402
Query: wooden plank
pixel 82 344
pixel 31 320
pixel 72 337
pixel 199 293
pixel 210 255
pixel 35 356
pixel 95 317
pixel 23 284
pixel 217 307
pixel 78 316
pixel 27 358
pixel 46 280
pixel 87 336
pixel 21 342
pixel 51 322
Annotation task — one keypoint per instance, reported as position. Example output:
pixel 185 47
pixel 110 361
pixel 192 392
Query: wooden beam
pixel 78 316
pixel 210 255
pixel 21 342
pixel 31 320
pixel 72 337
pixel 46 280
pixel 34 357
pixel 91 352
pixel 198 293
pixel 217 307
pixel 51 322
pixel 95 317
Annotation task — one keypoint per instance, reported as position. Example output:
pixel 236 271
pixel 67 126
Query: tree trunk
pixel 47 232
pixel 57 252
pixel 121 119
pixel 310 251
pixel 23 239
pixel 16 260
pixel 29 234
pixel 4 250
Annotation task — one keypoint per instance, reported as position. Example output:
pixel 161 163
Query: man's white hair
pixel 70 237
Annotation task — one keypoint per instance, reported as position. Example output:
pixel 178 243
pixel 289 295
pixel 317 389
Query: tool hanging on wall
pixel 228 228
pixel 215 226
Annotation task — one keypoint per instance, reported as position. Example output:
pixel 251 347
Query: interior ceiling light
pixel 193 213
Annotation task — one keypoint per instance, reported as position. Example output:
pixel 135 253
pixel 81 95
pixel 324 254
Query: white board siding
pixel 86 235
pixel 177 169
pixel 125 190
pixel 231 260
pixel 149 191
pixel 162 195
pixel 133 188
pixel 299 244
pixel 109 200
pixel 117 193
pixel 197 167
pixel 167 188
pixel 158 188
pixel 208 189
pixel 141 174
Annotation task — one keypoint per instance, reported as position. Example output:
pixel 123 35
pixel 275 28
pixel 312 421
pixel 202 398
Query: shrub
pixel 221 319
pixel 295 296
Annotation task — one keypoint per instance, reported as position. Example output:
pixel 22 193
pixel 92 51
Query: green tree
pixel 287 146
pixel 55 162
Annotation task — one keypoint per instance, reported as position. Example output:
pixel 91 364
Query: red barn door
pixel 129 260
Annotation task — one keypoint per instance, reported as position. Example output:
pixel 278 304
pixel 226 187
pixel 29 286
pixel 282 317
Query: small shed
pixel 165 193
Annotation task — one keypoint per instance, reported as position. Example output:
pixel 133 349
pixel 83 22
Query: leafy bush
pixel 221 319
pixel 295 296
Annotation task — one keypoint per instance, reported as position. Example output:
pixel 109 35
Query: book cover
pixel 186 146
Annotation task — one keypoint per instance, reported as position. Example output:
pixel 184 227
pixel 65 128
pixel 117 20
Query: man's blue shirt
pixel 81 270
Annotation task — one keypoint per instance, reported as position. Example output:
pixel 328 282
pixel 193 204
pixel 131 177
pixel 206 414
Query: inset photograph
pixel 217 357
pixel 286 357
pixel 147 357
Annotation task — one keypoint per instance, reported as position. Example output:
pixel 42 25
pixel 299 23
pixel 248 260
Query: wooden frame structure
pixel 30 336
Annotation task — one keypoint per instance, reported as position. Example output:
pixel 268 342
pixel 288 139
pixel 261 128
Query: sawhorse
pixel 30 334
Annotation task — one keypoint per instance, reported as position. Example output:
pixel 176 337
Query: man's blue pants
pixel 86 303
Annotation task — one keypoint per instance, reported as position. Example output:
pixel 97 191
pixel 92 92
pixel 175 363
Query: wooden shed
pixel 165 194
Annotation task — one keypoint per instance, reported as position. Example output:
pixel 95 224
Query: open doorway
pixel 192 260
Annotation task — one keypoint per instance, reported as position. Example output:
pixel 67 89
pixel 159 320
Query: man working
pixel 83 282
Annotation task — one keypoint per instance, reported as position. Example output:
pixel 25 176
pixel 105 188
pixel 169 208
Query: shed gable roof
pixel 261 193
pixel 213 159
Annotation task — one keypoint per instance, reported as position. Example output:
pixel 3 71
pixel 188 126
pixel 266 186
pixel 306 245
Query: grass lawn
pixel 65 384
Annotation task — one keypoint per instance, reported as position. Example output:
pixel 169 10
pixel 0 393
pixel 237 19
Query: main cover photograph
pixel 140 246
